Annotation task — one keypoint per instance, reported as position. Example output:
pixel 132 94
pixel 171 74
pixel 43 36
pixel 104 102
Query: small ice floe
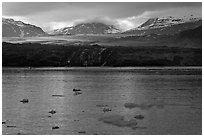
pixel 4 122
pixel 82 132
pixel 76 89
pixel 143 106
pixel 58 95
pixel 52 112
pixel 55 127
pixel 119 121
pixel 101 105
pixel 106 110
pixel 24 100
pixel 130 105
pixel 77 93
pixel 139 127
pixel 139 117
pixel 10 126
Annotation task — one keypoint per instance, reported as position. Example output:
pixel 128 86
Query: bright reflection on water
pixel 175 96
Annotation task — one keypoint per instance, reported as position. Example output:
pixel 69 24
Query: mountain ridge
pixel 165 25
pixel 12 28
pixel 87 28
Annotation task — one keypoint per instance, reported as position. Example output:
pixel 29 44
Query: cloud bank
pixel 121 23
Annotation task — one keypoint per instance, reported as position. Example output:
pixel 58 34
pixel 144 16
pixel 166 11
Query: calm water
pixel 170 99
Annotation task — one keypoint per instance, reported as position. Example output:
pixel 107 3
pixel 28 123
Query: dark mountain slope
pixel 37 55
pixel 192 33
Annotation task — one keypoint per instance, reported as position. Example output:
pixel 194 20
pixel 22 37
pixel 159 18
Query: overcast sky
pixel 55 15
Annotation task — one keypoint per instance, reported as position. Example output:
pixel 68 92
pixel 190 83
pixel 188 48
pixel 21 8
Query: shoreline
pixel 106 68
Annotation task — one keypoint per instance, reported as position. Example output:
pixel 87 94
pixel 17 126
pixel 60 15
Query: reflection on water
pixel 169 99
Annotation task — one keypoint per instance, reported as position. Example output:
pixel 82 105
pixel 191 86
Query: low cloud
pixel 58 25
pixel 121 23
pixel 130 22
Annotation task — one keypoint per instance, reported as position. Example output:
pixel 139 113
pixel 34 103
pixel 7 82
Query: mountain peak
pixel 165 22
pixel 12 28
pixel 166 25
pixel 87 28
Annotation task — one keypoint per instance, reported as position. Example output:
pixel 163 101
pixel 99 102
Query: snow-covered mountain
pixel 164 22
pixel 87 28
pixel 12 28
pixel 166 25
